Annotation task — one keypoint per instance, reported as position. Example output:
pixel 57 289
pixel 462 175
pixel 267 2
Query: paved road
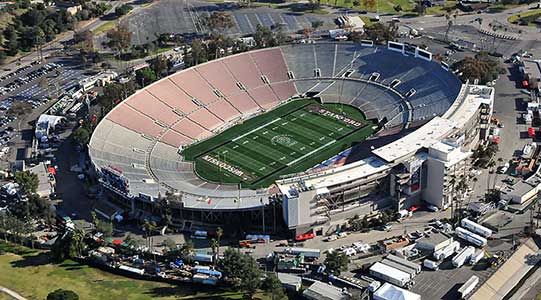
pixel 12 293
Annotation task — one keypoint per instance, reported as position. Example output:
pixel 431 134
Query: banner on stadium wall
pixel 114 177
pixel 367 43
pixel 415 181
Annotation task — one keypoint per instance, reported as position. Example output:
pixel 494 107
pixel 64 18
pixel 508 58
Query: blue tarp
pixel 208 272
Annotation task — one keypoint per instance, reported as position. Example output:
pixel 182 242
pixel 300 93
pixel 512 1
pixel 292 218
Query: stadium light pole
pixel 262 213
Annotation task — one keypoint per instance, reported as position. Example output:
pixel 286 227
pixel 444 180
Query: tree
pixel 169 244
pixel 356 3
pixel 105 227
pixel 316 24
pixel 420 9
pixel 219 234
pixel 450 22
pixel 369 4
pixel 19 109
pixel 148 228
pixel 241 271
pixel 61 294
pixel 123 9
pixel 28 181
pixel 145 76
pixel 481 67
pixel 198 54
pixel 219 21
pixel 380 33
pixel 160 66
pixel 81 136
pixel 336 262
pixel 119 39
pixel 213 244
pixel 273 287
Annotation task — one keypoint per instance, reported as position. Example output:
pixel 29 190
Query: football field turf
pixel 289 139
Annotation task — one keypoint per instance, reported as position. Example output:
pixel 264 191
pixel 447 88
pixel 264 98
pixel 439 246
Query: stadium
pixel 309 134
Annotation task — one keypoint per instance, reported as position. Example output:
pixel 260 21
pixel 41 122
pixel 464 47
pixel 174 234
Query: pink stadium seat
pixel 264 97
pixel 223 110
pixel 131 119
pixel 190 129
pixel 284 90
pixel 192 83
pixel 167 92
pixel 150 106
pixel 175 139
pixel 243 103
pixel 205 118
pixel 244 70
pixel 219 77
pixel 271 64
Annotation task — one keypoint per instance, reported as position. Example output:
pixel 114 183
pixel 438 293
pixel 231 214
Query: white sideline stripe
pixel 310 153
pixel 256 129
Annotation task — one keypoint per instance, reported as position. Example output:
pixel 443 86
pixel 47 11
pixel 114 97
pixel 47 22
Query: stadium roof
pixel 349 172
pixel 429 134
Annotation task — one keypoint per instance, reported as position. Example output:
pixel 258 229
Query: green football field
pixel 291 138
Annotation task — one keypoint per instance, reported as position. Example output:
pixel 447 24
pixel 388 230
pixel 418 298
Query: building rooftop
pixel 435 238
pixel 533 68
pixel 424 137
pixel 322 291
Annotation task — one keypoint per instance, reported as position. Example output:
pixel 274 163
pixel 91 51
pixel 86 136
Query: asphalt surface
pixel 186 17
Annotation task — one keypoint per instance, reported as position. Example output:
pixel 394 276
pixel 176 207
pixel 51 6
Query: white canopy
pixel 392 292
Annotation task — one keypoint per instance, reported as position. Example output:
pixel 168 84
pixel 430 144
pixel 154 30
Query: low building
pixel 434 242
pixel 391 292
pixel 108 211
pixel 523 190
pixel 289 281
pixel 322 291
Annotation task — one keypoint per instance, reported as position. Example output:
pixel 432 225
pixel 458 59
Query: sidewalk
pixel 12 293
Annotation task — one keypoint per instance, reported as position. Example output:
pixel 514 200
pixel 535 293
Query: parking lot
pixel 187 18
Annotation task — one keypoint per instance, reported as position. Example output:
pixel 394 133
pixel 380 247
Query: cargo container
pixel 468 286
pixel 471 237
pixel 132 269
pixel 463 256
pixel 475 228
pixel 390 274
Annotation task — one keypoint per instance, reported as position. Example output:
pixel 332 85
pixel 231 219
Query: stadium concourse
pixel 137 147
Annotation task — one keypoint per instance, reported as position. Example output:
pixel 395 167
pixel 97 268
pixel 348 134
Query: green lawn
pixel 528 17
pixel 33 276
pixel 289 139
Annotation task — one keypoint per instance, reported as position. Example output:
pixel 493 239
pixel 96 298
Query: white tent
pixel 392 292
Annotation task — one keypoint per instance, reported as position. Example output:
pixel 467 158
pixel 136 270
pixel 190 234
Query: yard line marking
pixel 256 129
pixel 310 153
pixel 245 142
pixel 322 138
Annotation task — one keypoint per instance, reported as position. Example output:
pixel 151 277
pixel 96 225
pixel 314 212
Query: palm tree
pixel 213 243
pixel 187 248
pixel 77 238
pixel 219 233
pixel 148 227
pixel 490 167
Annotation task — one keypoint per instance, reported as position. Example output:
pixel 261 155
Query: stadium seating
pixel 142 135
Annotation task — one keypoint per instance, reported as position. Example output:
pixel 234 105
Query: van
pixel 431 265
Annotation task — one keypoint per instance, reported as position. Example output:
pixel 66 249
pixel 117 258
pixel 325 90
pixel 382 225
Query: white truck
pixel 468 286
pixel 475 228
pixel 431 265
pixel 471 237
pixel 447 251
pixel 476 257
pixel 463 256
